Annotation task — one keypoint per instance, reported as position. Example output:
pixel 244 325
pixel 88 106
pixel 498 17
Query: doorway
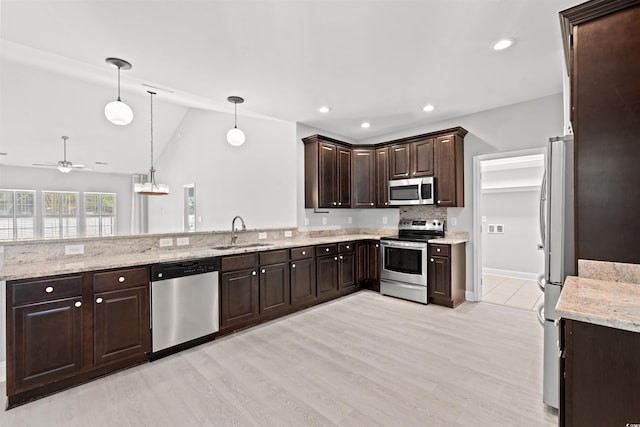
pixel 506 196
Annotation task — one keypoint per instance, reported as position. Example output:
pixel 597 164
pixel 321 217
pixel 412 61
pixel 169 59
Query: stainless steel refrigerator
pixel 557 235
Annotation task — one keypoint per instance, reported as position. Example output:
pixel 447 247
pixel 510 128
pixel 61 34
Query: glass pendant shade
pixel 235 137
pixel 118 113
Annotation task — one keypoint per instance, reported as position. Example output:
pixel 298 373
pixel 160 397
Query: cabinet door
pixel 445 170
pixel 439 277
pixel 362 258
pixel 382 177
pixel 239 291
pixel 364 191
pixel 344 177
pixel 422 158
pixel 121 324
pixel 274 288
pixel 346 270
pixel 47 343
pixel 374 262
pixel 303 281
pixel 399 165
pixel 327 175
pixel 327 275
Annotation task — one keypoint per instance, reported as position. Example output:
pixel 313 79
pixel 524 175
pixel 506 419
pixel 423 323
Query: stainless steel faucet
pixel 234 235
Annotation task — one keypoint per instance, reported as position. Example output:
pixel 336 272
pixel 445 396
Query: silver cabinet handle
pixel 431 259
pixel 48 289
pixel 121 279
pixel 253 273
pixel 293 266
pixel 263 271
pixel 304 252
pixel 99 300
pixel 78 304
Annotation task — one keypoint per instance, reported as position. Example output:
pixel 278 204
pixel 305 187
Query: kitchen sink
pixel 241 246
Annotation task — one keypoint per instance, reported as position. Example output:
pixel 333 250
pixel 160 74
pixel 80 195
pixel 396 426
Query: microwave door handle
pixel 543 199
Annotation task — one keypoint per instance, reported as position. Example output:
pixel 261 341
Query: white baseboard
pixel 510 273
pixel 3 372
pixel 468 295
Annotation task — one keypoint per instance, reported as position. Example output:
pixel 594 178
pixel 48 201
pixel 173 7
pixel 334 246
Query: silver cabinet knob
pixel 438 201
pixel 326 250
pixel 304 252
pixel 377 245
pixel 340 204
pixel 253 273
pixel 431 259
pixel 371 204
pixel 264 271
pixel 341 257
pixel 335 203
pixel 121 279
pixel 347 246
pixel 414 173
pixel 438 250
pixel 293 265
pixel 78 304
pixel 386 203
pixel 335 258
pixel 99 300
pixel 48 289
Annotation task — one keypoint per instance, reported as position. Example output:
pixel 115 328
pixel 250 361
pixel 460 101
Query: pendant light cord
pixel 65 148
pixel 152 170
pixel 235 115
pixel 119 84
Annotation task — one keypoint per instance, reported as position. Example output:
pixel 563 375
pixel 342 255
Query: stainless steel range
pixel 404 259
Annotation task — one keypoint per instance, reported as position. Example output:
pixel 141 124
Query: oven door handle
pixel 396 243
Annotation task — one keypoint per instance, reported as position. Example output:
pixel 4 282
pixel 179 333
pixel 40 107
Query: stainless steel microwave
pixel 415 191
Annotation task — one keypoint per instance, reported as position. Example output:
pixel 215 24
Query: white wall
pixel 516 249
pixel 510 128
pixel 50 179
pixel 256 180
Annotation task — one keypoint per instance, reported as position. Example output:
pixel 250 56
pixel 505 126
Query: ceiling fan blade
pixel 45 164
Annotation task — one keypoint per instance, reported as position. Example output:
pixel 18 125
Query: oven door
pixel 404 261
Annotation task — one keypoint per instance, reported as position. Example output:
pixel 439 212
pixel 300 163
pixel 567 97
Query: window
pixel 100 214
pixel 60 215
pixel 17 214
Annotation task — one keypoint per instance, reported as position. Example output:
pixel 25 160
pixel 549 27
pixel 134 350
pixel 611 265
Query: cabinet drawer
pixel 274 257
pixel 238 262
pixel 46 289
pixel 346 247
pixel 329 249
pixel 120 279
pixel 301 253
pixel 438 250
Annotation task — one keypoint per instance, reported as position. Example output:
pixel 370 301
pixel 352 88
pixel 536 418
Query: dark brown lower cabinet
pixel 58 338
pixel 327 275
pixel 274 288
pixel 303 281
pixel 599 375
pixel 446 274
pixel 47 343
pixel 373 265
pixel 239 297
pixel 362 262
pixel 346 271
pixel 120 324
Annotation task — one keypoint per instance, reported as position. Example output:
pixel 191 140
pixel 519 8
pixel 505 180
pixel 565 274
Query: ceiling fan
pixel 63 166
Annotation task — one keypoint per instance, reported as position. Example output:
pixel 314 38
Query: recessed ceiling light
pixel 324 109
pixel 502 44
pixel 365 125
pixel 428 107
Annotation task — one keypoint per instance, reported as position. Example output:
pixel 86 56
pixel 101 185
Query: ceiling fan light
pixel 235 137
pixel 65 167
pixel 118 113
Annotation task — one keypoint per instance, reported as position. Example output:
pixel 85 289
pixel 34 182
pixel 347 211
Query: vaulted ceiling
pixel 378 61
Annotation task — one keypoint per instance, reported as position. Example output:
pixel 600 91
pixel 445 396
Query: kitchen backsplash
pixel 609 271
pixel 423 211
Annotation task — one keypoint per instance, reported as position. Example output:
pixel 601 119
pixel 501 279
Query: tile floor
pixel 519 293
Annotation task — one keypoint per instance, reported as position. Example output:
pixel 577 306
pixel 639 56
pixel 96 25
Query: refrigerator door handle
pixel 539 311
pixel 541 282
pixel 543 199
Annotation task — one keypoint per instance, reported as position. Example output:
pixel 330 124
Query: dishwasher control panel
pixel 170 270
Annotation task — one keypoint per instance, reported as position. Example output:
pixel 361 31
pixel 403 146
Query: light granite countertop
pixel 612 304
pixel 448 241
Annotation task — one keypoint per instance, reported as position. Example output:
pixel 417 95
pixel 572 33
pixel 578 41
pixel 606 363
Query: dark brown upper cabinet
pixel 399 161
pixel 599 40
pixel 422 158
pixel 448 157
pixel 382 177
pixel 327 173
pixel 363 174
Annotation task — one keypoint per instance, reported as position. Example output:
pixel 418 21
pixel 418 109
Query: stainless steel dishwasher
pixel 184 304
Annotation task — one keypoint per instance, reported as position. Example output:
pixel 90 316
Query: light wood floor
pixel 363 360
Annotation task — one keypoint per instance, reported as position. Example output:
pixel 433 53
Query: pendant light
pixel 235 136
pixel 117 112
pixel 151 188
pixel 65 166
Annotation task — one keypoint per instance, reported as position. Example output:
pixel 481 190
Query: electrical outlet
pixel 182 241
pixel 324 220
pixel 349 220
pixel 73 249
pixel 168 241
pixel 384 219
pixel 453 221
pixel 199 219
pixel 484 218
pixel 262 235
pixel 288 233
pixel 306 221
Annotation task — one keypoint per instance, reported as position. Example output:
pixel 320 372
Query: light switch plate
pixel 453 221
pixel 324 220
pixel 182 241
pixel 167 241
pixel 384 219
pixel 73 249
pixel 262 235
